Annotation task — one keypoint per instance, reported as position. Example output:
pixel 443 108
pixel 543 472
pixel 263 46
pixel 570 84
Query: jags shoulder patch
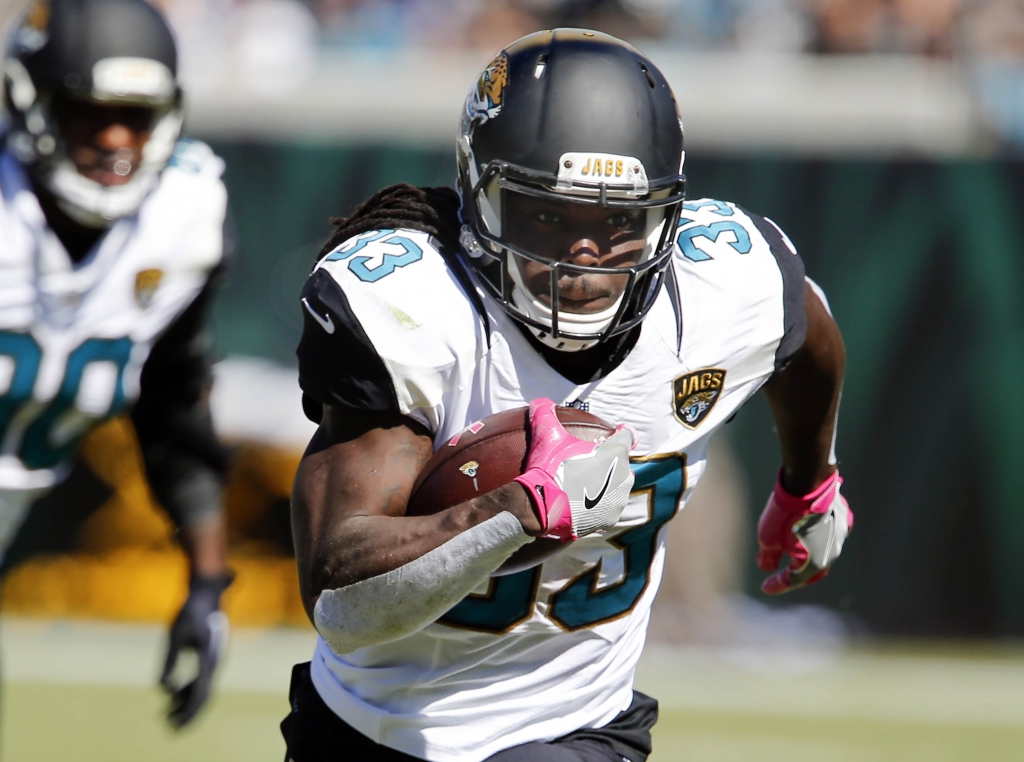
pixel 694 394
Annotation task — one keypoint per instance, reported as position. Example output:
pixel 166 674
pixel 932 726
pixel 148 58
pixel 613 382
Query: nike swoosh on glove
pixel 811 529
pixel 203 628
pixel 577 487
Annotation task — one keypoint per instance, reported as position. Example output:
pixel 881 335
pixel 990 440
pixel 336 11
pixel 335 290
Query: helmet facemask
pixel 576 262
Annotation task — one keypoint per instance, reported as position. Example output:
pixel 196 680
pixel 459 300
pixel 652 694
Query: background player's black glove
pixel 200 627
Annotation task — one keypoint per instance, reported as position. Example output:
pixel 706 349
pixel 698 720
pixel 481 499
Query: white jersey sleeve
pixel 196 218
pixel 180 228
pixel 387 327
pixel 741 289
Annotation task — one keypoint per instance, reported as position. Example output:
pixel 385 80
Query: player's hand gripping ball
pixel 575 466
pixel 811 529
pixel 577 486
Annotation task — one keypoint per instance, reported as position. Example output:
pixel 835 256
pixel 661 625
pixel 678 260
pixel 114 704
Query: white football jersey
pixel 74 337
pixel 535 655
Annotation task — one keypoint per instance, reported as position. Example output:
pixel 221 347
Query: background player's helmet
pixel 570 115
pixel 109 52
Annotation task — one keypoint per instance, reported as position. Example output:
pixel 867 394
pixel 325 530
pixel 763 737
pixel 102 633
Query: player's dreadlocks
pixel 434 211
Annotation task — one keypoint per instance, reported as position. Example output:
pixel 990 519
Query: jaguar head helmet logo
pixel 486 99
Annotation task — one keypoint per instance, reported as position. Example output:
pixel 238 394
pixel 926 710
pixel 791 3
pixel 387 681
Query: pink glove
pixel 811 529
pixel 577 487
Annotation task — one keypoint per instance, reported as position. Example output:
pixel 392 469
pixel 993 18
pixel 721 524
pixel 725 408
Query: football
pixel 489 454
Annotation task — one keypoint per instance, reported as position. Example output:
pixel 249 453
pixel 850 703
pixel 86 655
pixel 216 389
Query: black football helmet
pixel 107 52
pixel 572 116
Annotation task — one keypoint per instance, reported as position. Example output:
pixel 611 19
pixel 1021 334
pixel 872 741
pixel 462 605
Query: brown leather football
pixel 489 454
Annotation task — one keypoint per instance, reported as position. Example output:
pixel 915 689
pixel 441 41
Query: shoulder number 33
pixel 371 268
pixel 581 603
pixel 735 234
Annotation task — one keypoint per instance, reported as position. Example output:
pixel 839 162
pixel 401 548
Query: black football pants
pixel 313 733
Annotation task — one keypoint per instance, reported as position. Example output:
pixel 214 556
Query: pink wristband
pixel 813 502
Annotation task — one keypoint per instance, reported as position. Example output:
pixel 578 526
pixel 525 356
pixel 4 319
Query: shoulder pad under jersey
pixel 195 157
pixel 186 212
pixel 386 325
pixel 723 238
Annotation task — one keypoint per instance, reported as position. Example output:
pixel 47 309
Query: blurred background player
pixel 567 268
pixel 111 238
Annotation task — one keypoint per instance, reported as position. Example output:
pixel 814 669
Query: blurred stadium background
pixel 884 136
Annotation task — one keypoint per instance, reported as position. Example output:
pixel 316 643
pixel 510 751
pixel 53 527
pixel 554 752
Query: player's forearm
pixel 203 543
pixel 400 602
pixel 185 462
pixel 385 577
pixel 804 399
pixel 367 572
pixel 367 545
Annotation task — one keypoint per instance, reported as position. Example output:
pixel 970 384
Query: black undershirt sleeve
pixel 338 364
pixel 793 286
pixel 185 462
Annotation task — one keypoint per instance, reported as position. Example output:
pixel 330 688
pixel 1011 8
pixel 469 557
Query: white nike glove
pixel 577 487
pixel 810 528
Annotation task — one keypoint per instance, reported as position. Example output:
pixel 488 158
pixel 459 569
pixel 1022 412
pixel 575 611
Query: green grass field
pixel 115 724
pixel 80 692
pixel 102 723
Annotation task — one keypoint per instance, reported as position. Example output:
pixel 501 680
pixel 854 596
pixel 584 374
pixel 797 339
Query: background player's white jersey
pixel 538 654
pixel 74 337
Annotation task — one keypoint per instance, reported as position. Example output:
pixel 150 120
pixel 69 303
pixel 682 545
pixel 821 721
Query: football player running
pixel 111 233
pixel 569 268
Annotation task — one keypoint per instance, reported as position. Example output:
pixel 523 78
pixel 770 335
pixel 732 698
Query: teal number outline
pixel 34 449
pixel 583 587
pixel 389 262
pixel 684 239
pixel 718 207
pixel 468 613
pixel 361 243
pixel 27 356
pixel 518 591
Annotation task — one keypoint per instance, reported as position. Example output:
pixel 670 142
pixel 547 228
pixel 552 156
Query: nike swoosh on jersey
pixel 589 502
pixel 326 323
